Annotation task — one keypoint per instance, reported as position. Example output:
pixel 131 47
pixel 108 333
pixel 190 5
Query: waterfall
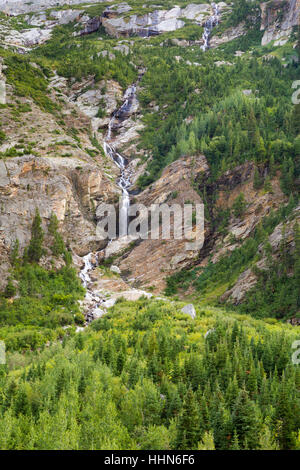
pixel 96 305
pixel 84 273
pixel 124 180
pixel 209 24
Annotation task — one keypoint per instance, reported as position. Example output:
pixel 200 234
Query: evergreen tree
pixel 14 256
pixel 257 180
pixel 35 249
pixel 245 421
pixel 188 424
pixel 10 290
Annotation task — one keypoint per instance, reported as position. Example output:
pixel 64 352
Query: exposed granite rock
pixel 228 35
pixel 115 269
pixel 27 38
pixel 248 279
pixel 259 204
pixel 53 18
pixel 105 94
pixel 189 310
pixel 66 187
pixel 91 26
pixel 149 24
pixel 150 261
pixel 278 19
pixel 245 282
pixel 43 24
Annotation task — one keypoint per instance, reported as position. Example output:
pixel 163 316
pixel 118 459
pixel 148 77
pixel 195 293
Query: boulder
pixel 115 269
pixel 91 26
pixel 189 310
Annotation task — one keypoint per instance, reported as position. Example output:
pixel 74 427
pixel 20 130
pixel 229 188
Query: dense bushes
pixel 78 58
pixel 162 385
pixel 39 297
pixel 223 123
pixel 28 80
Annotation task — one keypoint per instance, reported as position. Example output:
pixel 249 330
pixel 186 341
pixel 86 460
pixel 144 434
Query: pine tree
pixel 285 418
pixel 245 421
pixel 239 205
pixel 235 442
pixel 267 185
pixel 257 180
pixel 207 442
pixel 188 424
pixel 14 256
pixel 272 166
pixel 35 249
pixel 10 290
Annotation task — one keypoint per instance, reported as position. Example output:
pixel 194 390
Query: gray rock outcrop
pixel 278 19
pixel 189 310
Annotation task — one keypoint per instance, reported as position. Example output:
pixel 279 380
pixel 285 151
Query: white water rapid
pixel 91 299
pixel 210 23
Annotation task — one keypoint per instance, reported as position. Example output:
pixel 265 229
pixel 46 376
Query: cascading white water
pixel 84 273
pixel 94 302
pixel 124 180
pixel 210 23
pixel 92 299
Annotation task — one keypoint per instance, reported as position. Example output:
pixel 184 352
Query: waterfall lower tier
pixel 93 300
pixel 84 273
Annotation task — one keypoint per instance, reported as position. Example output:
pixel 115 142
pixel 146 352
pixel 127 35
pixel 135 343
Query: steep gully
pixel 97 304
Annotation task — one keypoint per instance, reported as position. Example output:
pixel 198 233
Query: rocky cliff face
pixel 150 261
pixel 248 279
pixel 278 17
pixel 183 181
pixel 46 164
pixel 157 21
pixel 69 188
